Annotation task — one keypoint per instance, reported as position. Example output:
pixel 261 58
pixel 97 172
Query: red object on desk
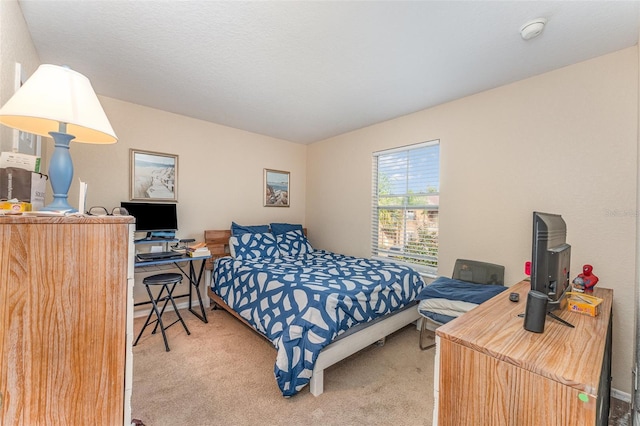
pixel 588 279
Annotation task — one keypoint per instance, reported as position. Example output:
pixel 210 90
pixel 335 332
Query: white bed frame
pixel 217 241
pixel 343 347
pixel 352 343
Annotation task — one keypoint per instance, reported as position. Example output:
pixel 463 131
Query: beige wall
pixel 15 46
pixel 220 170
pixel 563 142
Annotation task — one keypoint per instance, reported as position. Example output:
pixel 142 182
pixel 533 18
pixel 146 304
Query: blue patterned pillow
pixel 252 229
pixel 293 243
pixel 282 228
pixel 253 246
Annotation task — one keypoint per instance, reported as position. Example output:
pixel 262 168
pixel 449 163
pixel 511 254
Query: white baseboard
pixel 622 396
pixel 194 304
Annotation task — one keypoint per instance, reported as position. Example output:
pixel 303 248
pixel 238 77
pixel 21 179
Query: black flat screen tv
pixel 153 217
pixel 551 259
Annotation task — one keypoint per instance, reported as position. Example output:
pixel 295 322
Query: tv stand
pixel 557 318
pixel 491 371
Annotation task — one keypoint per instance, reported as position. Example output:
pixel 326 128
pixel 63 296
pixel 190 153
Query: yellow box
pixel 583 303
pixel 15 207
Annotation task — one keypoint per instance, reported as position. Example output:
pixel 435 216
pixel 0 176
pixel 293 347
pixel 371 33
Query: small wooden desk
pixel 491 371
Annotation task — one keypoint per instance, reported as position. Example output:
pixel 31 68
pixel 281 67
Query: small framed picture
pixel 153 177
pixel 276 188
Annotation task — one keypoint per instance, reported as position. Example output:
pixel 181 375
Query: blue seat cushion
pixel 448 288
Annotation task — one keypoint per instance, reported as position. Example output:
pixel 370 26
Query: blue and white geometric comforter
pixel 302 303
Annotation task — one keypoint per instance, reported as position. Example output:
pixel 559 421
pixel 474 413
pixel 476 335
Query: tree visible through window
pixel 406 197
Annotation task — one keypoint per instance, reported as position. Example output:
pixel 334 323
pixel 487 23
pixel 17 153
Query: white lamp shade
pixel 54 95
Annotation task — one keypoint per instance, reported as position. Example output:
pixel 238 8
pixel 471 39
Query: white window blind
pixel 406 197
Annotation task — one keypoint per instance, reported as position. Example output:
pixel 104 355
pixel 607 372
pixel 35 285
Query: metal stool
pixel 168 282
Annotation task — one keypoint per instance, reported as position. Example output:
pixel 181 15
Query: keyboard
pixel 159 255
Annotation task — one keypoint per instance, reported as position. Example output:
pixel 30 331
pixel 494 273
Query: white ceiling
pixel 304 71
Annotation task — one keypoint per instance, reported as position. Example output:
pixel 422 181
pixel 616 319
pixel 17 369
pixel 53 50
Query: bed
pixel 314 306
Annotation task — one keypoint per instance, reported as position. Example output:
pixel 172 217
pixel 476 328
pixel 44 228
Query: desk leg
pixel 196 283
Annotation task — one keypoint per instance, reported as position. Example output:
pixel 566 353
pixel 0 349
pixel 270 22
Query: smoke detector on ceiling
pixel 532 28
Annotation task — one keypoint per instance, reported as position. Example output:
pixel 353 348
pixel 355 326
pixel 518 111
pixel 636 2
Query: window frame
pixel 387 255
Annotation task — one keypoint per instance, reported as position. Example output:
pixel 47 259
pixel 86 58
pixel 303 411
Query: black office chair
pixel 478 272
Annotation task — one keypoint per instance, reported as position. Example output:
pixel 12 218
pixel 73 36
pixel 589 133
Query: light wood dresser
pixel 66 320
pixel 491 371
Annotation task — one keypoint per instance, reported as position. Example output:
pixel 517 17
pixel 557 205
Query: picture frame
pixel 23 142
pixel 153 176
pixel 276 188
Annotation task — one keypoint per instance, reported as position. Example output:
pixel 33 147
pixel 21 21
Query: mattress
pixel 302 303
pixel 446 298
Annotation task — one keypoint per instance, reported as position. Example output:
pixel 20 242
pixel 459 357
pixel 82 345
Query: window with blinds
pixel 406 196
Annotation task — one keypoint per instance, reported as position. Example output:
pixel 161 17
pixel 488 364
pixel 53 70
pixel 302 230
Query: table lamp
pixel 59 102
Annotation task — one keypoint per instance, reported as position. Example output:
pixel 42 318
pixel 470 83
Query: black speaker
pixel 536 311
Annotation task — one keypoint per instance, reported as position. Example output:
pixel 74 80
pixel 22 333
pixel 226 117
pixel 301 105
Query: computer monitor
pixel 551 258
pixel 153 217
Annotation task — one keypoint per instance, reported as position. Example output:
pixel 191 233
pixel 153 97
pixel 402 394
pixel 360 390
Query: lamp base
pixel 60 172
pixel 60 205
